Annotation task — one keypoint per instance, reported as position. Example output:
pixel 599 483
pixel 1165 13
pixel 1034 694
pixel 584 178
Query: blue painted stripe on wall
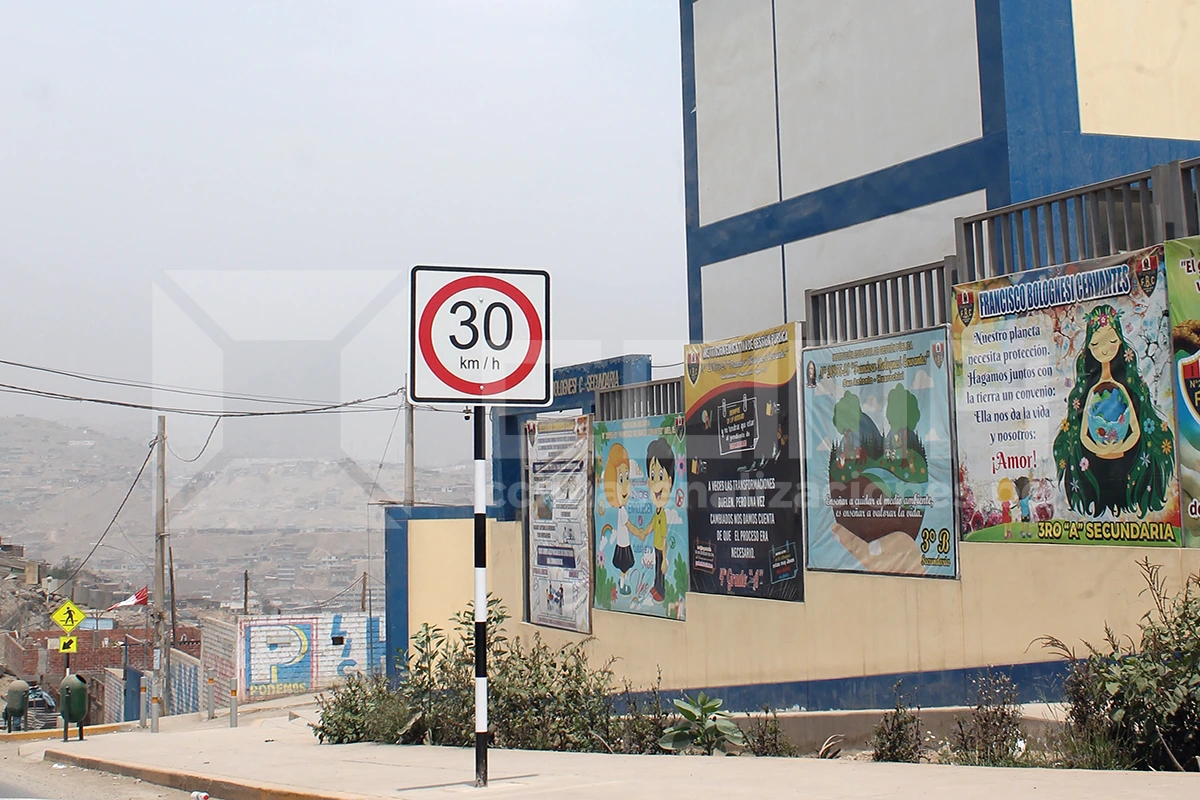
pixel 1035 683
pixel 691 183
pixel 1048 153
pixel 940 176
pixel 993 113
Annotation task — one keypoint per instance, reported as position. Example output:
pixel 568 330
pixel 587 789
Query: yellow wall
pixel 850 625
pixel 441 570
pixel 1138 67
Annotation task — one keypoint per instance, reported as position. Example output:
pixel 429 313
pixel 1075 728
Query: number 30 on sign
pixel 480 337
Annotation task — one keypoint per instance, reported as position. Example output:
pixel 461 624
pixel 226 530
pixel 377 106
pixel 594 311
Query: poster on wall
pixel 877 448
pixel 560 559
pixel 1183 281
pixel 641 516
pixel 743 465
pixel 1065 405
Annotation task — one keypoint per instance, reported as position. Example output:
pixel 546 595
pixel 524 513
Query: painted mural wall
pixel 286 655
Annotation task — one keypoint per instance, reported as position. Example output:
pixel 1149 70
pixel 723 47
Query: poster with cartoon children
pixel 640 517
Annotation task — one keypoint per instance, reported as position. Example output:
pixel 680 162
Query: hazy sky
pixel 175 172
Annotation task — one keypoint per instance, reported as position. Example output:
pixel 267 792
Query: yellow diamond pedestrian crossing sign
pixel 68 616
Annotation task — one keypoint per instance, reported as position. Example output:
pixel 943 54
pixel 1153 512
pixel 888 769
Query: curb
pixel 225 788
pixel 56 733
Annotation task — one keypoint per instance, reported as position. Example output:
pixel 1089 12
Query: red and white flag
pixel 139 598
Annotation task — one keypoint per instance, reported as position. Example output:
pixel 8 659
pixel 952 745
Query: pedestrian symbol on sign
pixel 68 616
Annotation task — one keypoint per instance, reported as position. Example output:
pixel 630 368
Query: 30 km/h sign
pixel 480 336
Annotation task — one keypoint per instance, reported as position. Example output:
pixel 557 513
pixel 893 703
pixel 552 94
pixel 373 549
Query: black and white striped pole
pixel 480 336
pixel 481 602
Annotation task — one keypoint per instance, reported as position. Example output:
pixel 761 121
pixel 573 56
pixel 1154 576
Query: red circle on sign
pixel 425 335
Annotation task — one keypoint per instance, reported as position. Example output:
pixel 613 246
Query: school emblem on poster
pixel 1147 273
pixel 1189 379
pixel 693 366
pixel 939 354
pixel 966 307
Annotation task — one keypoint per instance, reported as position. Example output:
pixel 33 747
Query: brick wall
pixel 114 695
pixel 218 657
pixel 18 659
pixel 33 661
pixel 293 655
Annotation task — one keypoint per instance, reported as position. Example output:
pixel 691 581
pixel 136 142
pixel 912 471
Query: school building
pixel 846 164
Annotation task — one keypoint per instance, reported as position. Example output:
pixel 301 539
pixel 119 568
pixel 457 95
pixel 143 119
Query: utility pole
pixel 364 593
pixel 245 593
pixel 171 572
pixel 409 459
pixel 160 552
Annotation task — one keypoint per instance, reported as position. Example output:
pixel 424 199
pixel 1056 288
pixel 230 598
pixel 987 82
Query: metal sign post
pixel 480 338
pixel 481 604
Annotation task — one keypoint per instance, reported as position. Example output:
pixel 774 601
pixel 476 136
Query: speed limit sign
pixel 480 336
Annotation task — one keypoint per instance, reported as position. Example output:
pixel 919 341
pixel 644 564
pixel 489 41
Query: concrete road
pixel 34 779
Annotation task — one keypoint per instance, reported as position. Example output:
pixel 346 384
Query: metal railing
pixel 1188 223
pixel 907 300
pixel 1096 220
pixel 640 400
pixel 1100 219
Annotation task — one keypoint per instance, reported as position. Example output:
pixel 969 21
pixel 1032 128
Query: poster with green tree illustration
pixel 877 444
pixel 641 516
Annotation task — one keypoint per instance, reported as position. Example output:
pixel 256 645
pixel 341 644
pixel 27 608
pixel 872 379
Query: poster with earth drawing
pixel 1065 405
pixel 878 483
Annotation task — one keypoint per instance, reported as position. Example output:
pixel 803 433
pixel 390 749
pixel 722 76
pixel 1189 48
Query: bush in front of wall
pixel 897 736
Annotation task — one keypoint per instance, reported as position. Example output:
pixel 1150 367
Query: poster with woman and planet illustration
pixel 1065 405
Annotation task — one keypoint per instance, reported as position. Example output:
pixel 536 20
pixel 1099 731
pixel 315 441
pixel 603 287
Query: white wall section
pixel 867 84
pixel 743 294
pixel 737 154
pixel 909 239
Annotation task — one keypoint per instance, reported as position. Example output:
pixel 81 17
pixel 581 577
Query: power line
pixel 349 406
pixel 216 422
pixel 375 483
pixel 167 388
pixel 378 471
pixel 120 508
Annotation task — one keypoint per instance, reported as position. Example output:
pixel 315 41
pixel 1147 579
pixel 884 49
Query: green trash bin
pixel 16 704
pixel 72 702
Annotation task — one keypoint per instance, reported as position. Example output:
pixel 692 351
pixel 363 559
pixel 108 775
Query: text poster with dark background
pixel 743 465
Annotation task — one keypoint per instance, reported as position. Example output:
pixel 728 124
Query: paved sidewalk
pixel 280 758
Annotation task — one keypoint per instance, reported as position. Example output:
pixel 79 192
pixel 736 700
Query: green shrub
pixel 1137 704
pixel 765 737
pixel 364 709
pixel 704 726
pixel 539 697
pixel 897 735
pixel 992 736
pixel 639 727
pixel 550 699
